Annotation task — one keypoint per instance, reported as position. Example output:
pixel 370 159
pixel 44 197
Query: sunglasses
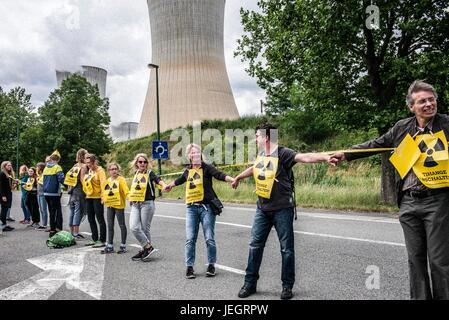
pixel 142 161
pixel 111 169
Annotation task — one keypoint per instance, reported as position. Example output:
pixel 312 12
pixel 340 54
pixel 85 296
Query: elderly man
pixel 423 193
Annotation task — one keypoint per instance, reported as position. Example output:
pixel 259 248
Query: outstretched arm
pixel 245 174
pixel 314 158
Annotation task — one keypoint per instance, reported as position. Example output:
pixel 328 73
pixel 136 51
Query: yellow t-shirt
pixel 97 178
pixel 123 190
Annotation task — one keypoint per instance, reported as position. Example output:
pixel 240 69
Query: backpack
pixel 61 240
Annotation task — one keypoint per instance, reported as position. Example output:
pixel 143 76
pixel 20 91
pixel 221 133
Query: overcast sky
pixel 37 37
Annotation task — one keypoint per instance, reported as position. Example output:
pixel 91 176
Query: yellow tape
pixel 327 152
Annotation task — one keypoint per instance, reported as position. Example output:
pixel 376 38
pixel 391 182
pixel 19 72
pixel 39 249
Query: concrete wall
pixel 187 44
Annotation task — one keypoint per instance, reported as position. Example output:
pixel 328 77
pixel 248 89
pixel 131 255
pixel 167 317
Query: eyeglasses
pixel 142 161
pixel 423 101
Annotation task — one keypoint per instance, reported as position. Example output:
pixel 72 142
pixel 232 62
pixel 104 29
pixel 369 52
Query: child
pixel 115 191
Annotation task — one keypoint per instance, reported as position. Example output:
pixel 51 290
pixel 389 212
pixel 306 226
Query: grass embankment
pixel 350 186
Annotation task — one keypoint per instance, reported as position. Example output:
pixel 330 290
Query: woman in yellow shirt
pixel 115 191
pixel 92 183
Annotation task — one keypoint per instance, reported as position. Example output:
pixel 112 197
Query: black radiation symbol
pixel 263 169
pixel 196 176
pixel 430 161
pixel 72 172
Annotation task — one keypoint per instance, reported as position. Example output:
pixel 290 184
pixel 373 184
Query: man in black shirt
pixel 273 174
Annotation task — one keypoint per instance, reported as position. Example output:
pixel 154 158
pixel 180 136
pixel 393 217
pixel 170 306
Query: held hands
pixel 168 187
pixel 4 199
pixel 336 158
pixel 234 183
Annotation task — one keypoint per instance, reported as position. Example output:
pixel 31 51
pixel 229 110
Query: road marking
pixel 350 238
pixel 222 267
pixel 301 232
pixel 332 216
pixel 82 269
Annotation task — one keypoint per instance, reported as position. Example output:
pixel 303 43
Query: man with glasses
pixel 423 193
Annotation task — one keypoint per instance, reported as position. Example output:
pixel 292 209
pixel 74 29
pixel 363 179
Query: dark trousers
pixel 120 214
pixel 33 206
pixel 54 208
pixel 425 222
pixel 3 214
pixel 282 220
pixel 96 210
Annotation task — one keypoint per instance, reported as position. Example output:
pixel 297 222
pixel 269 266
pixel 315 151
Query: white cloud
pixel 41 36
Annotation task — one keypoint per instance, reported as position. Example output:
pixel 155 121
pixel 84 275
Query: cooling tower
pixel 94 75
pixel 187 45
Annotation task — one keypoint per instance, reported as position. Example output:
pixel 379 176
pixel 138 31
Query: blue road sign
pixel 160 149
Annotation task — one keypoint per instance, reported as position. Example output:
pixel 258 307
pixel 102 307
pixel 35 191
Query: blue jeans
pixel 43 208
pixel 197 214
pixel 26 212
pixel 282 220
pixel 76 212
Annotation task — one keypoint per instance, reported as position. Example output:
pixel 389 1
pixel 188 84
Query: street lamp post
pixel 154 66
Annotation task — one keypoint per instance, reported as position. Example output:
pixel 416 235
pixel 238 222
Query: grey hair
pixel 416 86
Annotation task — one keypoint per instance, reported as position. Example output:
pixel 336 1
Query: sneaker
pixel 47 230
pixel 286 293
pixel 52 233
pixel 147 253
pixel 41 228
pixel 79 236
pixel 99 244
pixel 10 220
pixel 190 273
pixel 31 225
pixel 107 250
pixel 210 271
pixel 8 228
pixel 25 222
pixel 138 256
pixel 90 243
pixel 246 291
pixel 122 250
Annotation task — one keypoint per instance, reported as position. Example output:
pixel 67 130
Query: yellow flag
pixel 405 155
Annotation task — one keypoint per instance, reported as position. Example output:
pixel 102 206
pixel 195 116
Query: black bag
pixel 216 206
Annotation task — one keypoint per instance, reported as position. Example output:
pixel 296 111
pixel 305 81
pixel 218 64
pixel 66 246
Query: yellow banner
pixel 194 186
pixel 111 193
pixel 432 166
pixel 405 156
pixel 138 187
pixel 28 186
pixel 71 177
pixel 87 183
pixel 264 172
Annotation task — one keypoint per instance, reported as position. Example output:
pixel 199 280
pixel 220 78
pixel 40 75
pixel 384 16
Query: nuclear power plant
pixel 187 45
pixel 94 75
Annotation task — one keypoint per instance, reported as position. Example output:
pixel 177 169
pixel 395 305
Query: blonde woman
pixel 141 197
pixel 115 191
pixel 92 183
pixel 199 194
pixel 6 186
pixel 77 201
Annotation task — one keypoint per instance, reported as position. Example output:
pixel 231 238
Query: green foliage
pixel 355 76
pixel 73 117
pixel 17 120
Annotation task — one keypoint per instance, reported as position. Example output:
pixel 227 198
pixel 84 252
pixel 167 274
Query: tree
pixel 73 117
pixel 17 121
pixel 352 74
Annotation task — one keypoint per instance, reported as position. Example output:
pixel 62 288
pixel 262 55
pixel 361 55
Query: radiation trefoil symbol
pixel 114 186
pixel 264 169
pixel 430 151
pixel 137 181
pixel 196 176
pixel 74 171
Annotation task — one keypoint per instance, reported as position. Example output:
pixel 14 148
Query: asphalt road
pixel 337 253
